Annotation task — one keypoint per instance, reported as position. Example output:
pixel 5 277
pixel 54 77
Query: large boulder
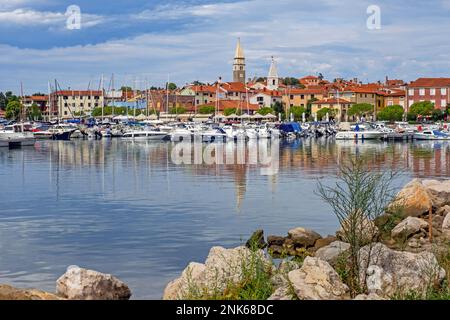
pixel 360 227
pixel 11 293
pixel 282 293
pixel 408 227
pixel 331 252
pixel 413 200
pixel 320 243
pixel 446 226
pixel 187 283
pixel 388 272
pixel 302 237
pixel 317 280
pixel 439 192
pixel 222 267
pixel 83 284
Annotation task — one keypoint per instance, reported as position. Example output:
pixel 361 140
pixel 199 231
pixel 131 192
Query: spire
pixel 272 80
pixel 239 52
pixel 273 72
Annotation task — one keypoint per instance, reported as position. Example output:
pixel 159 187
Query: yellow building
pixel 341 107
pixel 301 97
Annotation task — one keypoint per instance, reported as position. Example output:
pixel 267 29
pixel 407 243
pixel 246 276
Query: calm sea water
pixel 124 208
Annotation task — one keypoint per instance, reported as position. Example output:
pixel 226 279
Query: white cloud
pixel 324 36
pixel 29 17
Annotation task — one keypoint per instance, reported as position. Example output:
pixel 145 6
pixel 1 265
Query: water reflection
pixel 126 208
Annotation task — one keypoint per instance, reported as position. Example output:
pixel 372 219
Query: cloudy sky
pixel 143 41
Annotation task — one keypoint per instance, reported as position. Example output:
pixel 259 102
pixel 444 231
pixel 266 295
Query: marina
pixel 123 207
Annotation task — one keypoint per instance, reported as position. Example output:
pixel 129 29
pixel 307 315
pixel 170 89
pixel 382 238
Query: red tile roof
pixel 79 93
pixel 430 83
pixel 209 89
pixel 333 101
pixel 303 91
pixel 230 104
pixel 233 86
pixel 273 93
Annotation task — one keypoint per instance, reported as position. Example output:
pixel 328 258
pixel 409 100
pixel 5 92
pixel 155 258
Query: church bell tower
pixel 239 64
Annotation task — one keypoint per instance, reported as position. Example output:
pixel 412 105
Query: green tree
pixel 13 110
pixel 229 111
pixel 3 101
pixel 177 110
pixel 297 112
pixel 172 86
pixel 265 111
pixel 261 79
pixel 309 105
pixel 206 109
pixel 35 113
pixel 423 108
pixel 294 82
pixel 361 109
pixel 125 88
pixel 437 114
pixel 323 112
pixel 391 113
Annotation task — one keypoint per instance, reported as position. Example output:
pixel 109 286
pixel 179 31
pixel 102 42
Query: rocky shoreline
pixel 404 254
pixel 399 259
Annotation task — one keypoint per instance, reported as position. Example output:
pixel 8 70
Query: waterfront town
pixel 284 97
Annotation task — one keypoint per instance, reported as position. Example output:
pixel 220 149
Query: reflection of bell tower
pixel 239 64
pixel 240 184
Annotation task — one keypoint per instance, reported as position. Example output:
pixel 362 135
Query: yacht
pixel 212 135
pixel 15 136
pixel 431 135
pixel 146 134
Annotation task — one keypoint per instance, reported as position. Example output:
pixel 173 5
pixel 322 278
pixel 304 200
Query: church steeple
pixel 239 64
pixel 273 80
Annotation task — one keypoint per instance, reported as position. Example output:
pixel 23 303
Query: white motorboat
pixel 212 135
pixel 360 135
pixel 264 133
pixel 431 135
pixel 181 134
pixel 15 136
pixel 145 135
pixel 251 133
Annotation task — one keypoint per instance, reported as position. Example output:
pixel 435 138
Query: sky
pixel 147 42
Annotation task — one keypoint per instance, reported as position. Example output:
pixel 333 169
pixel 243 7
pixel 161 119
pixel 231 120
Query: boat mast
pixel 49 107
pixel 102 87
pixel 23 113
pixel 167 94
pixel 113 94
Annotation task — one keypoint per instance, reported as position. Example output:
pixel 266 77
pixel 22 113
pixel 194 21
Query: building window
pixel 259 99
pixel 65 105
pixel 411 92
pixel 291 97
pixel 302 105
pixel 96 98
pixel 89 104
pixel 443 103
pixel 65 97
pixel 312 96
pixel 421 92
pixel 73 105
pixel 410 103
pixel 302 96
pixel 292 105
pixel 390 103
pixel 432 91
pixel 443 91
pixel 81 104
pixel 433 102
pixel 198 101
pixel 65 113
